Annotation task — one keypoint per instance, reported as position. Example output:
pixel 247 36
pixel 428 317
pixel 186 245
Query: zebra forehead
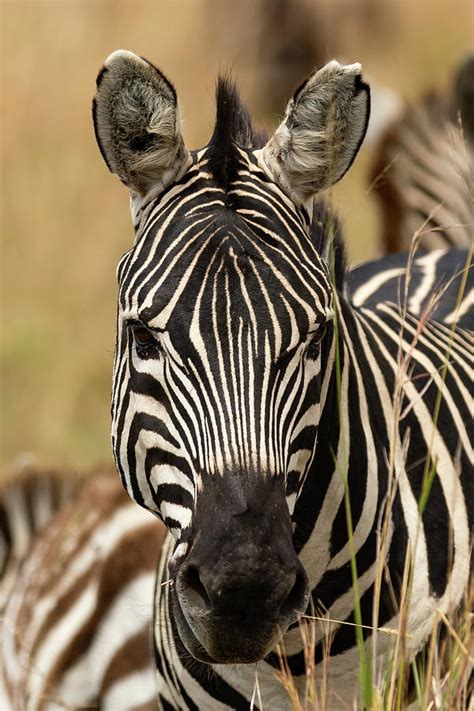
pixel 227 257
pixel 232 284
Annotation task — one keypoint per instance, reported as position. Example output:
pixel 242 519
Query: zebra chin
pixel 241 584
pixel 225 641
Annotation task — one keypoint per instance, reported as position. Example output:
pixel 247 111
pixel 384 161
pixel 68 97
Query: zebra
pixel 76 585
pixel 424 167
pixel 260 414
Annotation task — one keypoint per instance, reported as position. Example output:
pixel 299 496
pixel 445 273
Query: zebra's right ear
pixel 136 123
pixel 323 129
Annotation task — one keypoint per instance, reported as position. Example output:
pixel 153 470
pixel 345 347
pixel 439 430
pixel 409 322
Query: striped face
pixel 223 302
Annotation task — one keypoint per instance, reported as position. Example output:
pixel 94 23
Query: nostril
pixel 297 598
pixel 194 589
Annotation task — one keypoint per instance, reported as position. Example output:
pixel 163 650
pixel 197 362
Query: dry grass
pixel 441 676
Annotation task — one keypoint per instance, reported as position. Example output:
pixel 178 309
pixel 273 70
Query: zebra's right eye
pixel 144 339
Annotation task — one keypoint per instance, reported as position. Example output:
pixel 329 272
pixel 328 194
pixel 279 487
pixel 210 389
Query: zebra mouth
pixel 240 587
pixel 184 632
pixel 235 632
pixel 228 639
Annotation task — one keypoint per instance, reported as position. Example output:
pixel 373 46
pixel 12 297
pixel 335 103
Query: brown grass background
pixel 65 219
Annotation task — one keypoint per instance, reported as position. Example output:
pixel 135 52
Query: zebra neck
pixel 336 512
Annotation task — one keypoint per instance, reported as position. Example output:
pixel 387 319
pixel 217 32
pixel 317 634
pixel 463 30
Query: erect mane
pixel 326 234
pixel 233 127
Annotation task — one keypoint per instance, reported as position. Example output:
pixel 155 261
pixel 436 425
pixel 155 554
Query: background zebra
pixel 75 594
pixel 259 413
pixel 424 171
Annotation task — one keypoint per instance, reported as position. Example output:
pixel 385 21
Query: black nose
pixel 272 592
pixel 241 584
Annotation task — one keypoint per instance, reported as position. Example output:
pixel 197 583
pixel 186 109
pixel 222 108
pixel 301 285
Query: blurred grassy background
pixel 65 220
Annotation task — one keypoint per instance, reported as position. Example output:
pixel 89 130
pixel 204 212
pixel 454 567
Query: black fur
pixel 233 127
pixel 326 227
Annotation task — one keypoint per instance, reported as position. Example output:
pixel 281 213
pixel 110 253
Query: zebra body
pixel 370 358
pixel 76 622
pixel 262 415
pixel 424 170
pixel 420 287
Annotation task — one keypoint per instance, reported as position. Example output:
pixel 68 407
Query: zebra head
pixel 223 303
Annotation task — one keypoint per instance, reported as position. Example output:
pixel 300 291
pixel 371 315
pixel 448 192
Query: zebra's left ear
pixel 136 122
pixel 324 126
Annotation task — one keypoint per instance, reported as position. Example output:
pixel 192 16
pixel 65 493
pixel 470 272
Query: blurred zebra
pixel 424 170
pixel 254 404
pixel 26 506
pixel 76 594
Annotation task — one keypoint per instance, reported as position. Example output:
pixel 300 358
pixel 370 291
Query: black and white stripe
pixel 243 352
pixel 220 419
pixel 76 594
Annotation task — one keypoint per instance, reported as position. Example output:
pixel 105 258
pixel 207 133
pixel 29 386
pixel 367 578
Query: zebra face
pixel 223 304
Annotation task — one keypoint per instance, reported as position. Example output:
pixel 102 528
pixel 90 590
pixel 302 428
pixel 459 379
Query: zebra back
pixel 422 175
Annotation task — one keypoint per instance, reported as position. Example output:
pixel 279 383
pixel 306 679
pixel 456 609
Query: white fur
pixel 321 133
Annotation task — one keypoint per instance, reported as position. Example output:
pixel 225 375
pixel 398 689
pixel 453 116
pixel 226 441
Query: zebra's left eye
pixel 315 342
pixel 144 339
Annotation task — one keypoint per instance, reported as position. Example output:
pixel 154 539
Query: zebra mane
pixel 327 235
pixel 233 127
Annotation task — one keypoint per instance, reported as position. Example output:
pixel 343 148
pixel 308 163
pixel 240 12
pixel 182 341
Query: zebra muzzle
pixel 242 583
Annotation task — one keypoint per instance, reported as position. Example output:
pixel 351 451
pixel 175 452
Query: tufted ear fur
pixel 136 122
pixel 323 129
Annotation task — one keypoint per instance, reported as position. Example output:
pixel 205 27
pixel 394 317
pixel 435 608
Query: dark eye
pixel 314 344
pixel 145 341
